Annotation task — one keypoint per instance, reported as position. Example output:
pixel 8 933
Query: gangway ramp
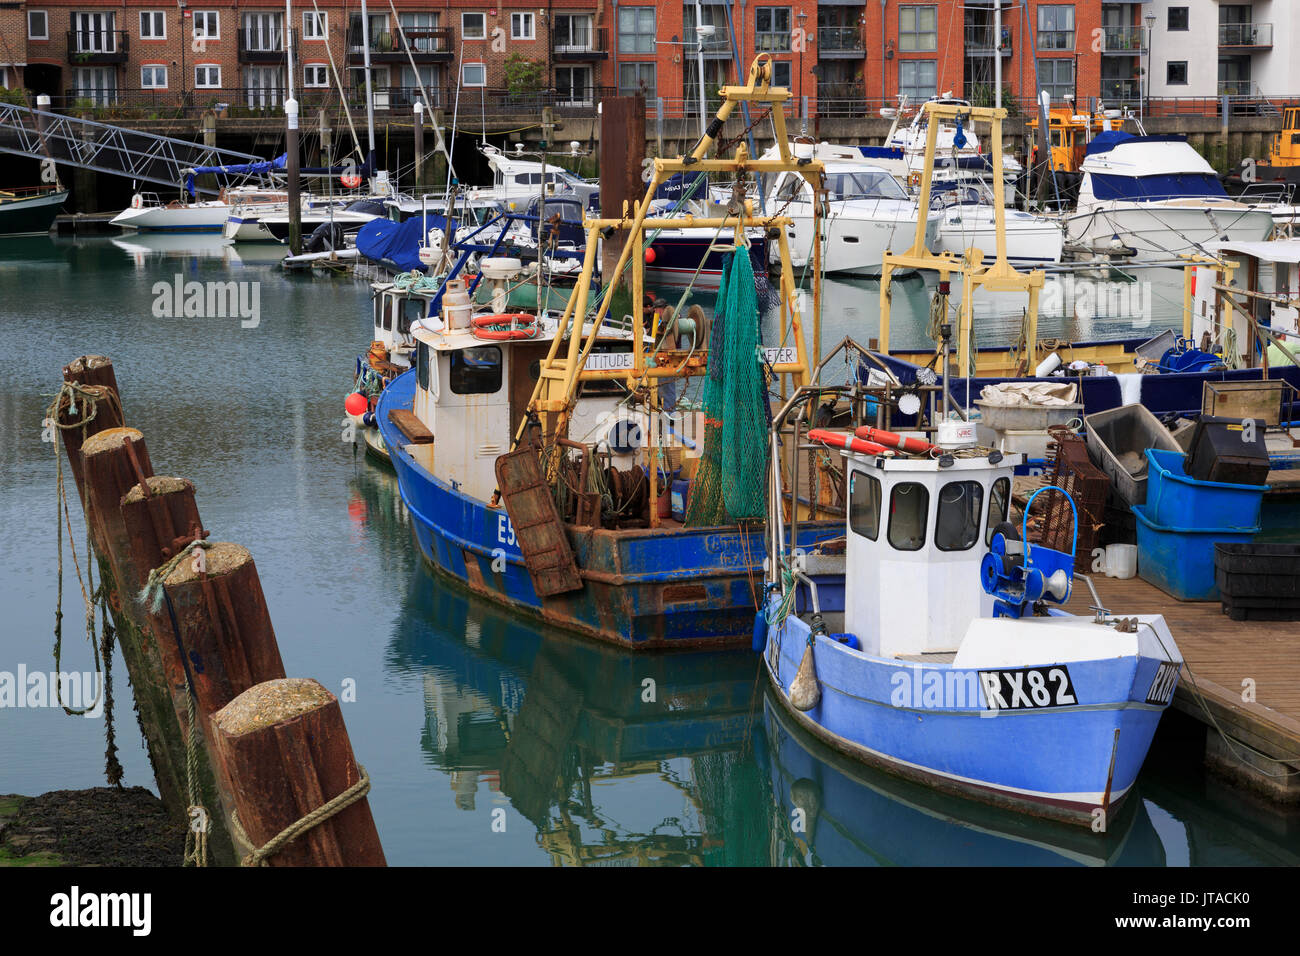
pixel 85 144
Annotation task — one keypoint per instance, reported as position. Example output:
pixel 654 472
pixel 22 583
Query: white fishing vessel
pixel 1158 196
pixel 868 212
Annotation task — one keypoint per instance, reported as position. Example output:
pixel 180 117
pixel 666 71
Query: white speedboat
pixel 1158 196
pixel 958 154
pixel 869 213
pixel 968 221
pixel 148 213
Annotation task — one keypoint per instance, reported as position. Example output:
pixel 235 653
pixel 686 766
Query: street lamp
pixel 1151 22
pixel 803 42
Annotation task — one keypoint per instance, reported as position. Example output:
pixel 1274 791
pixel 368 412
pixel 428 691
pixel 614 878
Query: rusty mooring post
pixel 95 374
pixel 285 750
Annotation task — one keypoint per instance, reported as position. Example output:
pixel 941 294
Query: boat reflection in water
pixel 853 815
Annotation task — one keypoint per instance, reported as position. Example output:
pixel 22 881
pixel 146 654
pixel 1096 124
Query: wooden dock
pixel 1243 676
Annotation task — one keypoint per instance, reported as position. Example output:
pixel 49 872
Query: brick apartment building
pixel 844 56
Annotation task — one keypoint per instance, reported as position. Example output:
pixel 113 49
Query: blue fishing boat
pixel 933 642
pixel 538 454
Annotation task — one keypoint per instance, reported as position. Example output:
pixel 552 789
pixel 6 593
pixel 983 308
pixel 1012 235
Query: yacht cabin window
pixel 866 184
pixel 476 371
pixel 957 527
pixel 909 507
pixel 864 505
pixel 999 494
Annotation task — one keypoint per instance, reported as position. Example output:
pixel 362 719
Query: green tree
pixel 522 74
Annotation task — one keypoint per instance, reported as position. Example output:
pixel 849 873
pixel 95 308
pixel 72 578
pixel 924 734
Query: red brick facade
pixel 852 57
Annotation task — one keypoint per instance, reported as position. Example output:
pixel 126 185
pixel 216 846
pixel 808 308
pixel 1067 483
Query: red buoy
pixel 847 442
pixel 914 446
pixel 356 404
pixel 650 254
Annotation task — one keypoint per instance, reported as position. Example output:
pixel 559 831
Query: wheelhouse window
pixel 423 362
pixel 909 507
pixel 999 496
pixel 864 505
pixel 476 371
pixel 961 504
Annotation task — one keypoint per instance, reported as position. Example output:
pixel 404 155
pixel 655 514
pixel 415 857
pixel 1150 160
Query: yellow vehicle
pixel 1070 133
pixel 1283 161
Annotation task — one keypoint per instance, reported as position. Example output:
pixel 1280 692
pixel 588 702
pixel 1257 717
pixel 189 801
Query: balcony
pixel 1119 91
pixel 842 42
pixel 1235 87
pixel 1246 36
pixel 579 45
pixel 423 44
pixel 87 47
pixel 263 46
pixel 981 41
pixel 1124 41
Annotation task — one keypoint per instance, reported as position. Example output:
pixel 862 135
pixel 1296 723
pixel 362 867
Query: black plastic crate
pixel 1221 453
pixel 1259 581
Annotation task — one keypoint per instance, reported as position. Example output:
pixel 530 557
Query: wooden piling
pixel 225 625
pixel 285 750
pixel 94 372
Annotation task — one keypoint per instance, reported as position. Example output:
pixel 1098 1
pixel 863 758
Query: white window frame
pixel 464 31
pixel 45 16
pixel 324 71
pixel 194 24
pixel 466 66
pixel 153 17
pixel 525 18
pixel 154 67
pixel 207 67
pixel 315 17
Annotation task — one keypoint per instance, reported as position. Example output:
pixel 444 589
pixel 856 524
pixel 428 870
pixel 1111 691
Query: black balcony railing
pixel 98 46
pixel 577 43
pixel 840 40
pixel 1123 40
pixel 421 44
pixel 1254 36
pixel 263 46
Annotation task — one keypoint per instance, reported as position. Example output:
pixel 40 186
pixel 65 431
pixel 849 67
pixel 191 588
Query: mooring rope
pixel 93 597
pixel 258 855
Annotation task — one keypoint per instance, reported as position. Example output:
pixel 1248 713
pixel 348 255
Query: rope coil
pixel 258 855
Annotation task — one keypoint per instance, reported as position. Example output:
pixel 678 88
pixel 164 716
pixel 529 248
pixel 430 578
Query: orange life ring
pixel 914 446
pixel 846 441
pixel 350 180
pixel 482 326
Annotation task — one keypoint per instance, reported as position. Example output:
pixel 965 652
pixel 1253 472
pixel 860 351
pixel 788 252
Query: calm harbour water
pixel 462 710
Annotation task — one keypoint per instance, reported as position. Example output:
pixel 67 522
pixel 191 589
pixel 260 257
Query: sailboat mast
pixel 370 99
pixel 699 56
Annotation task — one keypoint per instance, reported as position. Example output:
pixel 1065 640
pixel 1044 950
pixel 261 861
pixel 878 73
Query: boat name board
pixel 1162 687
pixel 609 362
pixel 784 355
pixel 1028 688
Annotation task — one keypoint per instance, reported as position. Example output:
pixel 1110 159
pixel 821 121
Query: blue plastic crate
pixel 1176 500
pixel 1180 561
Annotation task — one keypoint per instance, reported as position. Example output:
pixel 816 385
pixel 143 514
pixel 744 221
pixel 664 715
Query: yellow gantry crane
pixel 1001 276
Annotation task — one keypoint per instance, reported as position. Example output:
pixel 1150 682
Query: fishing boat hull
pixel 647 589
pixel 31 215
pixel 1162 231
pixel 934 723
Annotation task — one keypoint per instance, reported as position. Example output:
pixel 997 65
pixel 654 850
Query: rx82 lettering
pixel 1028 688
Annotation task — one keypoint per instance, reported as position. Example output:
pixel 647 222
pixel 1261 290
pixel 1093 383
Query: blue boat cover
pixel 678 184
pixel 396 243
pixel 1148 188
pixel 1105 141
pixel 881 152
